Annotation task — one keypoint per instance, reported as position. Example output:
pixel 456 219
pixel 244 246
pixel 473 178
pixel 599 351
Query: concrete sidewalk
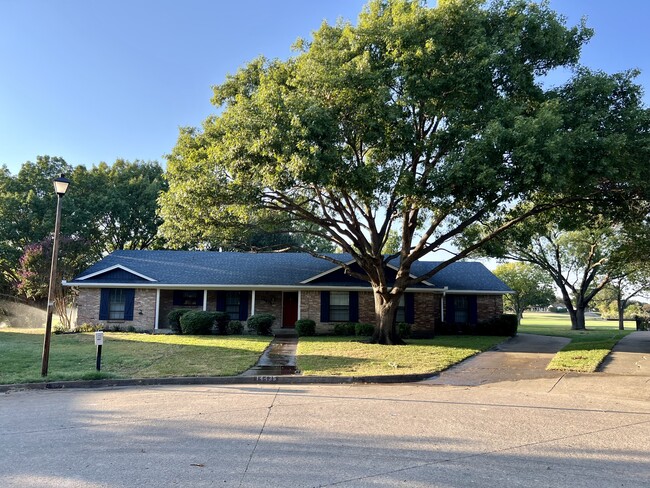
pixel 631 356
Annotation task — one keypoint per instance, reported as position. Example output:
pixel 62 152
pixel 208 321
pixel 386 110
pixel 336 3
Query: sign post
pixel 99 342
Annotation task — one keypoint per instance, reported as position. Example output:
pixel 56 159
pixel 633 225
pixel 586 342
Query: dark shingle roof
pixel 280 269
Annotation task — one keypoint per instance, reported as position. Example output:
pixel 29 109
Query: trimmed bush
pixel 306 327
pixel 364 329
pixel 221 319
pixel 404 330
pixel 197 322
pixel 504 325
pixel 235 327
pixel 261 323
pixel 174 318
pixel 344 329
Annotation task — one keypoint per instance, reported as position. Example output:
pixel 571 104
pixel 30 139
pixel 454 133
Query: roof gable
pixel 116 274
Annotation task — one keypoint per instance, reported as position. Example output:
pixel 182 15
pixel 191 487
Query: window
pixel 339 306
pixel 461 310
pixel 188 298
pixel 232 304
pixel 116 304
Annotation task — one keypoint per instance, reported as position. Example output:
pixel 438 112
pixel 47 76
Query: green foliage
pixel 362 329
pixel 404 330
pixel 345 329
pixel 221 320
pixel 426 120
pixel 533 286
pixel 89 328
pixel 174 319
pixel 261 323
pixel 197 322
pixel 235 327
pixel 305 327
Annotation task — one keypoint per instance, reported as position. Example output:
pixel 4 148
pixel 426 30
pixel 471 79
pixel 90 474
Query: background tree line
pixel 108 207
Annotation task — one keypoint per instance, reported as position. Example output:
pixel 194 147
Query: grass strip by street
pixel 587 349
pixel 345 356
pixel 125 355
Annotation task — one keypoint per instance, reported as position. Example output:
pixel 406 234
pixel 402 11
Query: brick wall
pixel 489 306
pixel 427 312
pixel 269 302
pixel 144 309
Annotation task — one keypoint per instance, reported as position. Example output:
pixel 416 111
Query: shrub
pixel 131 328
pixel 221 319
pixel 174 318
pixel 59 329
pixel 306 327
pixel 404 330
pixel 261 323
pixel 344 329
pixel 364 329
pixel 197 322
pixel 88 328
pixel 235 327
pixel 504 325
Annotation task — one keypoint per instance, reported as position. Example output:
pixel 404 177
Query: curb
pixel 218 380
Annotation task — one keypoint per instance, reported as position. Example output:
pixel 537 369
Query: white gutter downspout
pixel 442 304
pixel 299 302
pixel 205 300
pixel 157 320
pixel 252 302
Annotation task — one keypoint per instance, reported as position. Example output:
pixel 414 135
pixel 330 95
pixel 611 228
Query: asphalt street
pixel 520 433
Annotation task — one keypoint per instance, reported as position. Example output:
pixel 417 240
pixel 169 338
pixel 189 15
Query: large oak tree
pixel 423 120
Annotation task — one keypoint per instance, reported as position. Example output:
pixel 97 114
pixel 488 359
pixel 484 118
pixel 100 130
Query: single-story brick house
pixel 140 288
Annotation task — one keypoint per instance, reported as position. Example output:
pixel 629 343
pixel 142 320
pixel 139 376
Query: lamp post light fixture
pixel 60 187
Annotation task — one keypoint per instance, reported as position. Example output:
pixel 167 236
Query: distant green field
pixel 587 349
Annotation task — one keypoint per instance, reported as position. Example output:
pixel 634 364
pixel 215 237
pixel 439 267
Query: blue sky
pixel 94 81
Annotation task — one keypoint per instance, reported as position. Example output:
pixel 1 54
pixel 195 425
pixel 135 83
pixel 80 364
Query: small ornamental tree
pixel 424 121
pixel 34 273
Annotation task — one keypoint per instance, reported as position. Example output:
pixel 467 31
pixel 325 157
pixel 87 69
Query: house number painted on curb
pixel 266 379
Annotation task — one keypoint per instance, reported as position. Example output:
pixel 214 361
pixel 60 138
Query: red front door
pixel 289 309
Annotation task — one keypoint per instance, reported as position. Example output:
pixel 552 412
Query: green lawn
pixel 345 356
pixel 587 349
pixel 125 355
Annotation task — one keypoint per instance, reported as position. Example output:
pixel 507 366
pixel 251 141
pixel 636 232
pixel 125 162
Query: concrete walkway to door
pixel 279 358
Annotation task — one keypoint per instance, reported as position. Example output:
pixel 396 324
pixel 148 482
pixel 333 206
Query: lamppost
pixel 60 187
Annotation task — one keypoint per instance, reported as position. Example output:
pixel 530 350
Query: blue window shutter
pixel 450 317
pixel 324 306
pixel 473 309
pixel 178 298
pixel 129 301
pixel 243 305
pixel 221 301
pixel 103 303
pixel 409 308
pixel 354 306
pixel 199 298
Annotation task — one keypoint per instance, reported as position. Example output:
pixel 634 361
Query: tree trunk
pixel 578 318
pixel 386 332
pixel 621 315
